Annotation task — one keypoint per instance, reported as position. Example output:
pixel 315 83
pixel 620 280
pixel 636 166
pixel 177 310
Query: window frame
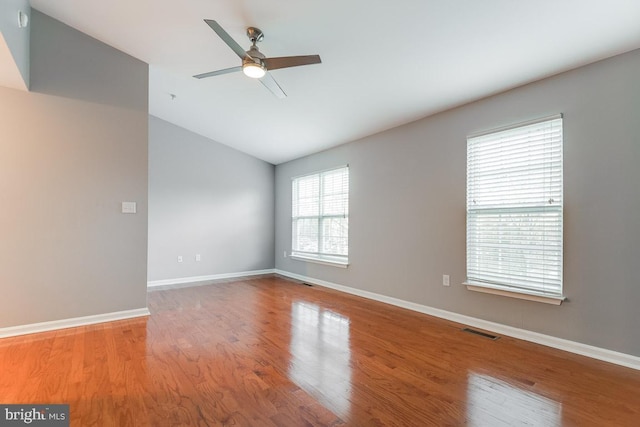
pixel 477 279
pixel 320 257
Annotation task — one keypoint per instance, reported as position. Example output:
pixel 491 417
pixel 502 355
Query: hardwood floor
pixel 272 352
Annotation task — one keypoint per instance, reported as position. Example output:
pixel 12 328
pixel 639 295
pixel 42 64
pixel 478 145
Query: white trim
pixel 319 260
pixel 193 279
pixel 513 293
pixel 603 354
pixel 72 322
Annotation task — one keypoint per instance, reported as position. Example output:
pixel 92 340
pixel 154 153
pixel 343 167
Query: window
pixel 320 216
pixel 514 210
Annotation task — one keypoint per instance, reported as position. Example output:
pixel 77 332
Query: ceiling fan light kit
pixel 253 70
pixel 254 63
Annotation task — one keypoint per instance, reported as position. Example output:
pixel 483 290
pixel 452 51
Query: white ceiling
pixel 420 57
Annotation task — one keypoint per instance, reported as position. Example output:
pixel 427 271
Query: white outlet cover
pixel 129 207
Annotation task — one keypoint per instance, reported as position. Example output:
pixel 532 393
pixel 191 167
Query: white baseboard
pixel 194 279
pixel 72 323
pixel 611 356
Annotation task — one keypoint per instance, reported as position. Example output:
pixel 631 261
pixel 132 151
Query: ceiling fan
pixel 254 63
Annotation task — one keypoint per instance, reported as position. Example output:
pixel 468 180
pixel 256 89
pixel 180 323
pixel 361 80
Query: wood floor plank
pixel 271 352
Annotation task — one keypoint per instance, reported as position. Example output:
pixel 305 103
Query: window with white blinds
pixel 320 216
pixel 514 208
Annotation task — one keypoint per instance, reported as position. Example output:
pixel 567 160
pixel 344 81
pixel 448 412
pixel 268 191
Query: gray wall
pixel 407 207
pixel 70 152
pixel 206 198
pixel 17 42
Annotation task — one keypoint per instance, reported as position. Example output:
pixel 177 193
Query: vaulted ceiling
pixel 383 63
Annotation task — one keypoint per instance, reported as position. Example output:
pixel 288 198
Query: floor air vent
pixel 482 334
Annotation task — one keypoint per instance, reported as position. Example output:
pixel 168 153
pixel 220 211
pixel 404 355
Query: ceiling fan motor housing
pixel 254 56
pixel 254 52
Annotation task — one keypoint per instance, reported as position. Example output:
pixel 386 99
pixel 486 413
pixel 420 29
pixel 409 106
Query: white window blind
pixel 320 215
pixel 514 208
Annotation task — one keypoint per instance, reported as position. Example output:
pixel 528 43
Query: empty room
pixel 270 213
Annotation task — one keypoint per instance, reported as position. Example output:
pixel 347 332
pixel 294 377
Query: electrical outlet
pixel 179 258
pixel 445 280
pixel 198 257
pixel 284 255
pixel 128 207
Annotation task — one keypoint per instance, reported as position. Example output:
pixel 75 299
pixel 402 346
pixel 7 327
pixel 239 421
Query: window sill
pixel 508 292
pixel 318 260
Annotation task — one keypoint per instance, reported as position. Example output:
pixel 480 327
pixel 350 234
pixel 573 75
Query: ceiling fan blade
pixel 218 72
pixel 273 86
pixel 290 61
pixel 226 38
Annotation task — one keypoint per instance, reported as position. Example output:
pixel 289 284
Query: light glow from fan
pixel 253 70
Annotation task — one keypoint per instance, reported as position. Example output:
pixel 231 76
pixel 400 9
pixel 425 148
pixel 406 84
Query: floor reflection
pixel 492 402
pixel 321 355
